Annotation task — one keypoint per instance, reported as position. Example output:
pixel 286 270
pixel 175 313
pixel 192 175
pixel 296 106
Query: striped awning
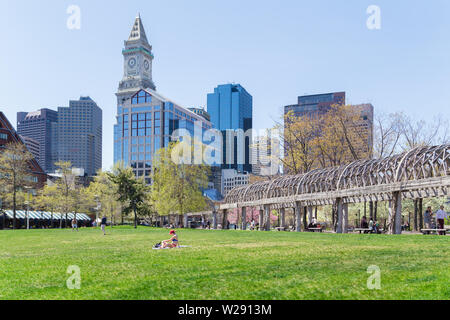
pixel 43 215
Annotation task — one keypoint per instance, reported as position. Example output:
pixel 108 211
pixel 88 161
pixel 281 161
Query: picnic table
pixel 361 230
pixel 315 229
pixel 428 231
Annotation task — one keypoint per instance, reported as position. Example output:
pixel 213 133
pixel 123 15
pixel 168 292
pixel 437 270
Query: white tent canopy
pixel 43 215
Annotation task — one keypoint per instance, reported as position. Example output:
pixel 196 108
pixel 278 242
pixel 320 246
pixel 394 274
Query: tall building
pixel 266 155
pixel 146 120
pixel 201 112
pixel 79 135
pixel 33 146
pixel 40 126
pixel 9 135
pixel 233 179
pixel 231 108
pixel 315 105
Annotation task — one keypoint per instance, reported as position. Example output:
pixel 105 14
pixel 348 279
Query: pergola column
pixel 261 219
pixel 244 219
pixel 282 217
pixel 224 219
pixel 310 214
pixel 397 196
pixel 267 214
pixel 214 217
pixel 339 204
pixel 298 216
pixel 345 218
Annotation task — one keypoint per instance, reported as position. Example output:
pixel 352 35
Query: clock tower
pixel 138 59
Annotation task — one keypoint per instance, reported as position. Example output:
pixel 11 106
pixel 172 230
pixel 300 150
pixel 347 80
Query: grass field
pixel 221 265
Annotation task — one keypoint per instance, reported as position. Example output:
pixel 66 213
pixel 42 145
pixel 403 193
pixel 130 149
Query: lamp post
pixel 28 220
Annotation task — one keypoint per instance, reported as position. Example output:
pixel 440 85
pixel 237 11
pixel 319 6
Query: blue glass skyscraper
pixel 231 108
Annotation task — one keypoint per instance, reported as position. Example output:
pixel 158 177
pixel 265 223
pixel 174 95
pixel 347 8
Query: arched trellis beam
pixel 421 172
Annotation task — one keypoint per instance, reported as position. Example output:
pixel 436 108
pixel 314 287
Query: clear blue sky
pixel 276 49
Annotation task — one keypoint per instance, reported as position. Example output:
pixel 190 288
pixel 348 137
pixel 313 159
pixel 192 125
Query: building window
pixel 141 97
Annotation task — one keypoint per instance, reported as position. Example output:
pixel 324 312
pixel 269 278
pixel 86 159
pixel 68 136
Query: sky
pixel 277 50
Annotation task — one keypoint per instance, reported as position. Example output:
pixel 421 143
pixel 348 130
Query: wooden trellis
pixel 420 173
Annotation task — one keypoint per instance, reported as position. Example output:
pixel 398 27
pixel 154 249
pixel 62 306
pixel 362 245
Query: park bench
pixel 315 229
pixel 280 228
pixel 429 231
pixel 361 230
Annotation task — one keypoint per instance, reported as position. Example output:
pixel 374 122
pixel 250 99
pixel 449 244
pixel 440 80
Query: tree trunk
pixel 14 208
pixel 135 217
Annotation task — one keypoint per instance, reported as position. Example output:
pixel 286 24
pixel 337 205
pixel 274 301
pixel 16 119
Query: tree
pixel 298 139
pixel 178 185
pixel 47 199
pixel 104 191
pixel 15 171
pixel 67 189
pixel 131 192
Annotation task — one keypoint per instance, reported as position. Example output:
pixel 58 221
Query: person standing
pixel 427 218
pixel 74 224
pixel 104 225
pixel 441 215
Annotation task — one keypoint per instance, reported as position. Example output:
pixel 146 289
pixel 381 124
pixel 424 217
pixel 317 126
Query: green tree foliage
pixel 15 172
pixel 177 183
pixel 131 192
pixel 104 191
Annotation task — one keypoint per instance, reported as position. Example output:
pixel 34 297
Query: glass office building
pixel 231 108
pixel 145 123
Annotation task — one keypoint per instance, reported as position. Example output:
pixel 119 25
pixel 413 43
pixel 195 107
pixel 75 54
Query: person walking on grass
pixel 74 224
pixel 441 215
pixel 103 225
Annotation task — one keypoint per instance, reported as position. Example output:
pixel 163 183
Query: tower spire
pixel 137 31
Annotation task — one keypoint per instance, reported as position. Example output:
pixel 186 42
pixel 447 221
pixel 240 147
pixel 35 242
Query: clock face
pixel 146 65
pixel 132 62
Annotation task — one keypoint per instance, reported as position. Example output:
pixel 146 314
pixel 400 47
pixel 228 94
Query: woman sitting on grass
pixel 172 242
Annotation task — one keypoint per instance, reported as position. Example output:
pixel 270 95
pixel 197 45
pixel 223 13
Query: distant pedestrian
pixel 427 218
pixel 74 224
pixel 441 215
pixel 104 225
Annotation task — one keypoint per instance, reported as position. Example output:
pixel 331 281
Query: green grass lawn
pixel 221 265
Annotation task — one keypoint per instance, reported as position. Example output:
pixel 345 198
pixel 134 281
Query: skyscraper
pixel 231 108
pixel 145 118
pixel 316 105
pixel 40 126
pixel 79 135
